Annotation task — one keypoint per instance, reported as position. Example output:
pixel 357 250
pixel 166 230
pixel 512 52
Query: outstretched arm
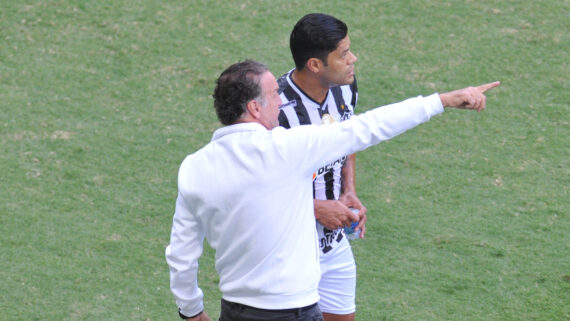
pixel 328 143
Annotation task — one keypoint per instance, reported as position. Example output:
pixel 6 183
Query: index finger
pixel 485 87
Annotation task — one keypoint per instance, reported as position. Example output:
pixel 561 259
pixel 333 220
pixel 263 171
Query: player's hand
pixel 468 98
pixel 333 214
pixel 351 200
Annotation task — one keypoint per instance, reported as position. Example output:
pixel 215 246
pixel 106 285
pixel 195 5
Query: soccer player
pixel 322 89
pixel 248 192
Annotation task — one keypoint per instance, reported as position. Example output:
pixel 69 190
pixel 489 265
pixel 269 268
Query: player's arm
pixel 348 196
pixel 335 214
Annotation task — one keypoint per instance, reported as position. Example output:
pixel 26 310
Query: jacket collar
pixel 237 128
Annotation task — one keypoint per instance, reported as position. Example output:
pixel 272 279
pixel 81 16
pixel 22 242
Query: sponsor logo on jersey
pixel 329 237
pixel 329 167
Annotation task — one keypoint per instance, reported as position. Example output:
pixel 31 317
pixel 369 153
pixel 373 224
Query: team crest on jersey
pixel 290 103
pixel 327 119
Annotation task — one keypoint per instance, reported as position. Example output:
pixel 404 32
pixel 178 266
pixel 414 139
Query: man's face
pixel 270 96
pixel 340 65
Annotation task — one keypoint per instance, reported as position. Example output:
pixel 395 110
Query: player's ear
pixel 314 65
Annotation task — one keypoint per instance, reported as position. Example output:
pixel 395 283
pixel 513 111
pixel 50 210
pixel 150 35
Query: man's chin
pixel 344 82
pixel 349 80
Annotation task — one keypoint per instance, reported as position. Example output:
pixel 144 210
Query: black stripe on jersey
pixel 314 194
pixel 283 120
pixel 329 185
pixel 354 89
pixel 290 94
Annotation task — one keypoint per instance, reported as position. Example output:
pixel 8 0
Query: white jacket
pixel 249 192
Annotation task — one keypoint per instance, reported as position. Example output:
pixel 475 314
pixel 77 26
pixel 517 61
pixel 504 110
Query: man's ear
pixel 314 65
pixel 254 108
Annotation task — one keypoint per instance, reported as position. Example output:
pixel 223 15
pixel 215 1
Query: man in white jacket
pixel 249 193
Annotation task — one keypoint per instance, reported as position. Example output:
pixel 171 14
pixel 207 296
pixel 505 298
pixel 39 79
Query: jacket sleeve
pixel 182 254
pixel 308 147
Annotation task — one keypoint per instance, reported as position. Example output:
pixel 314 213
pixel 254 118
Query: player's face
pixel 340 65
pixel 269 91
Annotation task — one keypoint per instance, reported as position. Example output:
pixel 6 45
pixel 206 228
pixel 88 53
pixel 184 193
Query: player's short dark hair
pixel 236 86
pixel 315 36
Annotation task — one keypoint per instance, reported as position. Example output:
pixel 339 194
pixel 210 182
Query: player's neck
pixel 310 85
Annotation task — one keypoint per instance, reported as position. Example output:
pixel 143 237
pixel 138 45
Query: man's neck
pixel 310 84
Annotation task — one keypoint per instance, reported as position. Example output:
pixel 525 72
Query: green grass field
pixel 101 101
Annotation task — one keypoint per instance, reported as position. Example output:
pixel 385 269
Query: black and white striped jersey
pixel 299 109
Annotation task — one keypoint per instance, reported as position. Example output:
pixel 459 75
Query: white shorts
pixel 337 287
